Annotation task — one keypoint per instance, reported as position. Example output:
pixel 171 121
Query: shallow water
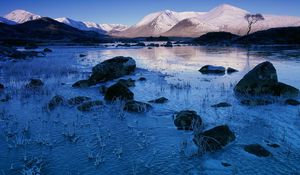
pixel 111 141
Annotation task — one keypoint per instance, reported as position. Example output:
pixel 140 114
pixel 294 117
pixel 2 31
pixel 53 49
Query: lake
pixel 109 140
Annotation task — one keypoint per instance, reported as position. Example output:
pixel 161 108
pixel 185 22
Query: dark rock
pixel 142 79
pixel 226 164
pixel 128 83
pixel 214 139
pixel 221 105
pixel 82 84
pixel 102 89
pixel 1 86
pixel 47 50
pixel 118 91
pixel 257 150
pixel 82 55
pixel 185 120
pixel 159 100
pixel 112 69
pixel 292 102
pixel 258 81
pixel 35 83
pixel 262 80
pixel 273 145
pixel 256 102
pixel 231 70
pixel 78 100
pixel 55 102
pixel 209 69
pixel 136 106
pixel 90 105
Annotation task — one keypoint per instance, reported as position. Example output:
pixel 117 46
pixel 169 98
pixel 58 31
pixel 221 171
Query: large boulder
pixel 186 119
pixel 257 150
pixel 210 69
pixel 137 106
pixel 118 91
pixel 214 139
pixel 112 69
pixel 262 80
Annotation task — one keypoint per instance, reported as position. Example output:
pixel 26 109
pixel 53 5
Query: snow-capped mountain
pixel 193 24
pixel 107 28
pixel 21 16
pixel 6 21
pixel 91 26
pixel 76 24
pixel 157 23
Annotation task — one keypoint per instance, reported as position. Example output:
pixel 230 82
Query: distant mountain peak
pixel 21 16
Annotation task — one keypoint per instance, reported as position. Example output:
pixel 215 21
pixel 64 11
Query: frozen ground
pixel 111 141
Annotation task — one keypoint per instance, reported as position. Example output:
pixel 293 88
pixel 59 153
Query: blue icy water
pixel 111 141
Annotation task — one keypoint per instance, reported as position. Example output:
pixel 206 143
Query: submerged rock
pixel 82 84
pixel 209 69
pixel 128 83
pixel 137 106
pixel 1 86
pixel 231 70
pixel 55 102
pixel 90 105
pixel 118 91
pixel 168 44
pixel 112 69
pixel 77 100
pixel 159 100
pixel 214 139
pixel 262 80
pixel 35 83
pixel 185 120
pixel 257 150
pixel 47 50
pixel 292 102
pixel 221 105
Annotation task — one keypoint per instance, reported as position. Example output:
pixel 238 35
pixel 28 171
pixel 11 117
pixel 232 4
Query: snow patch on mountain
pixel 21 16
